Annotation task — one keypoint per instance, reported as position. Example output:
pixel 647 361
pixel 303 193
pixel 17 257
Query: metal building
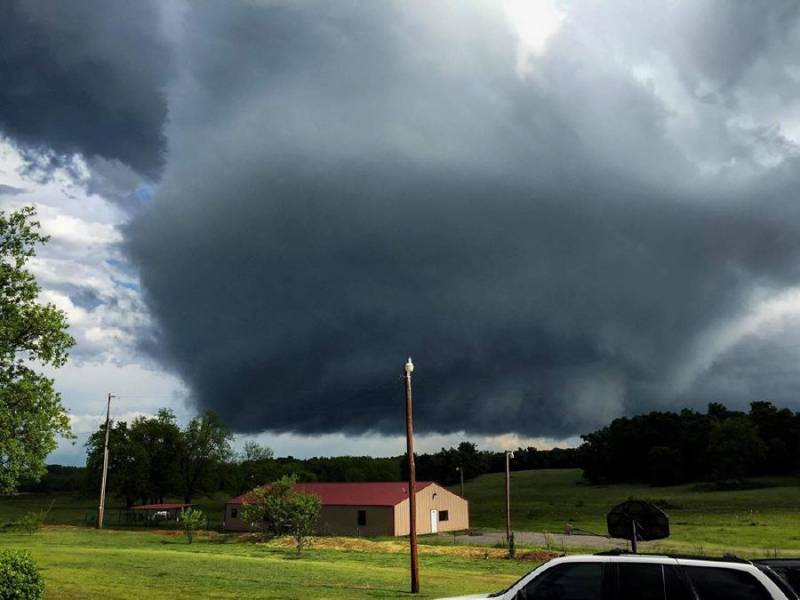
pixel 373 509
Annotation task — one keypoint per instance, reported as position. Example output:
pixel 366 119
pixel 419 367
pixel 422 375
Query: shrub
pixel 19 577
pixel 31 522
pixel 192 520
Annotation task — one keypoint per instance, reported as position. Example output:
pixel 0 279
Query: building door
pixel 434 521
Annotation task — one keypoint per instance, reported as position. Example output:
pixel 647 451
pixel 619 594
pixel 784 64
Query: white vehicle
pixel 645 577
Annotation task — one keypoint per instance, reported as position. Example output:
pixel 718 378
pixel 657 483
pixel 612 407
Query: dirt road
pixel 552 541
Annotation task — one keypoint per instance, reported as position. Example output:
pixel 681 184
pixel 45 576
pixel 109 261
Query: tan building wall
pixel 343 520
pixel 333 520
pixel 433 498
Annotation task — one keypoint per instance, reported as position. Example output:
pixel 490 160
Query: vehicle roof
pixel 778 562
pixel 727 558
pixel 710 561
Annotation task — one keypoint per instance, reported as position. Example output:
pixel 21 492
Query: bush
pixel 19 577
pixel 192 520
pixel 31 522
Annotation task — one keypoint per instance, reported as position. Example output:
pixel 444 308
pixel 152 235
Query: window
pixel 713 583
pixel 641 581
pixel 362 518
pixel 575 581
pixel 780 580
pixel 234 513
pixel 444 515
pixel 675 585
pixel 650 581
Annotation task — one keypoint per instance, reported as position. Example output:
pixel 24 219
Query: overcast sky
pixel 564 211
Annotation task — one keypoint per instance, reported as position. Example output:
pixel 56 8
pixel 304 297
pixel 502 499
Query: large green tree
pixel 280 509
pixel 32 334
pixel 205 444
pixel 128 466
pixel 153 458
pixel 735 449
pixel 252 466
pixel 159 438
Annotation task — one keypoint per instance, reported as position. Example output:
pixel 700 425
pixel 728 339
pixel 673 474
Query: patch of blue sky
pixel 85 298
pixel 130 285
pixel 144 193
pixel 121 267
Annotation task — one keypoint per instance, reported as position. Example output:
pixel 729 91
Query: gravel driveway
pixel 553 541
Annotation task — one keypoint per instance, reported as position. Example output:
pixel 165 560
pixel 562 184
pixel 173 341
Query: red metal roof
pixel 166 506
pixel 376 493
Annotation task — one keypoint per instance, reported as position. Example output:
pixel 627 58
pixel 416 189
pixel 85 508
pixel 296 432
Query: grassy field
pixel 82 563
pixel 79 562
pixel 71 509
pixel 745 521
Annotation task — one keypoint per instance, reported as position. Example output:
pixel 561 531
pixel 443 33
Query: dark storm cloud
pixel 84 78
pixel 350 185
pixel 559 231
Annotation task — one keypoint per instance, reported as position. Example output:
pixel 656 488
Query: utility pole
pixel 101 509
pixel 461 472
pixel 509 456
pixel 412 481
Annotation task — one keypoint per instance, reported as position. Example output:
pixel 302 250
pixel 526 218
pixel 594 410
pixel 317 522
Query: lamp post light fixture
pixel 412 480
pixel 509 456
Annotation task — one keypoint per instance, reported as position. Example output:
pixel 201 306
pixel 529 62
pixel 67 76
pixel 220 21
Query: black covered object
pixel 652 523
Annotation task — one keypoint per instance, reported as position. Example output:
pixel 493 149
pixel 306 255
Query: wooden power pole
pixel 461 472
pixel 412 482
pixel 101 509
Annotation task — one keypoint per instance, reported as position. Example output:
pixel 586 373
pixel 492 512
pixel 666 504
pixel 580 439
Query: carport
pixel 151 514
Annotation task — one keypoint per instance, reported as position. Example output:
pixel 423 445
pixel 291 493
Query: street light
pixel 509 456
pixel 412 481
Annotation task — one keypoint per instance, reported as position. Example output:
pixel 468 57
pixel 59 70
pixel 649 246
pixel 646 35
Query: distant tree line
pixel 152 459
pixel 664 448
pixel 442 466
pixel 255 465
pixel 57 478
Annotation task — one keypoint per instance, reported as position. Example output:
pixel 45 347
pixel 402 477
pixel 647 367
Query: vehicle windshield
pixel 506 590
pixel 779 578
pixel 501 592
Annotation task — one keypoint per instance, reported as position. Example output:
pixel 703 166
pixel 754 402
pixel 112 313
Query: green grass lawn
pixel 82 563
pixel 746 521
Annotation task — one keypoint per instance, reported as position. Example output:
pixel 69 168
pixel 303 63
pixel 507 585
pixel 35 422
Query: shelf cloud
pixel 86 77
pixel 560 225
